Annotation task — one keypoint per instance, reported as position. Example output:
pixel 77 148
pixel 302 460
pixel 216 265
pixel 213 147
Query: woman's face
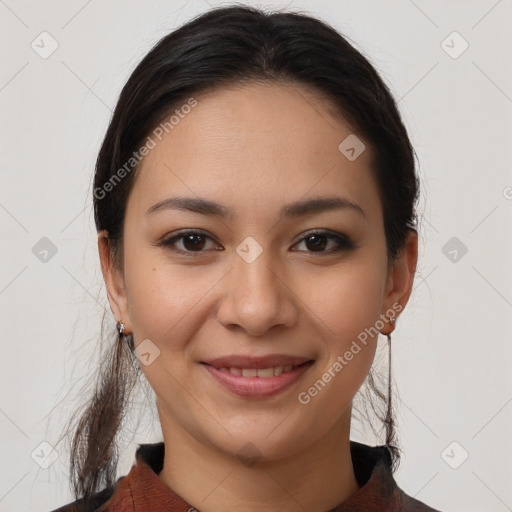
pixel 254 280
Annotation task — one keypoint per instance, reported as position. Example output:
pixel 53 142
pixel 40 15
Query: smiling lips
pixel 263 372
pixel 257 377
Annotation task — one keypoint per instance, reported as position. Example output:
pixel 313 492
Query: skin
pixel 255 148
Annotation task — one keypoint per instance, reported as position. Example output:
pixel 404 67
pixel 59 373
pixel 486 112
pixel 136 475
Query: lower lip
pixel 257 387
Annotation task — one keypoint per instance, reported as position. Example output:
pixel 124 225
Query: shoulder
pixel 373 471
pixel 91 505
pixel 410 504
pixel 120 493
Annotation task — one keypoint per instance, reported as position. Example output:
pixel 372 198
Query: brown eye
pixel 189 242
pixel 193 242
pixel 319 242
pixel 316 242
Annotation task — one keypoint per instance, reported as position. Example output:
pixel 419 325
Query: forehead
pixel 255 144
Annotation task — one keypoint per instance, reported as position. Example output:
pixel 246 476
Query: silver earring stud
pixel 120 328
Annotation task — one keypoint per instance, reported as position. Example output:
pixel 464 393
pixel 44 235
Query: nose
pixel 256 297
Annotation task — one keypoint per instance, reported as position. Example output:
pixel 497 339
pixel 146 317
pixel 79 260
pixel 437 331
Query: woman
pixel 255 205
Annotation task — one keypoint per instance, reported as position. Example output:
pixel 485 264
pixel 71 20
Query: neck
pixel 318 478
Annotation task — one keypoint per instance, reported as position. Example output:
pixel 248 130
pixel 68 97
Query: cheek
pixel 348 300
pixel 168 303
pixel 348 304
pixel 348 309
pixel 159 296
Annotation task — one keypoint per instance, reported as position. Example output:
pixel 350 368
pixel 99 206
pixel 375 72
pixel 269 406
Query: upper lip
pixel 243 361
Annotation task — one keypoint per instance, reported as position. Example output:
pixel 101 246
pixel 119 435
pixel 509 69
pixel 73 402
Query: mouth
pixel 255 377
pixel 264 373
pixel 248 362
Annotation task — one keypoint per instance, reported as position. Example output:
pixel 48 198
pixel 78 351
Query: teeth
pixel 263 372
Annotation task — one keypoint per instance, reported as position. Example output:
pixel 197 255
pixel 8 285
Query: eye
pixel 188 242
pixel 318 241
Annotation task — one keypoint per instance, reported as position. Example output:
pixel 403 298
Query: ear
pixel 114 281
pixel 400 280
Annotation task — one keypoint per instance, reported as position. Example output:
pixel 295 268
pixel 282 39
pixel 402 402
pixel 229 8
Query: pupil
pixel 319 243
pixel 194 241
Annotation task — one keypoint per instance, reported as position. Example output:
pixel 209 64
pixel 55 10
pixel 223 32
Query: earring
pixel 121 329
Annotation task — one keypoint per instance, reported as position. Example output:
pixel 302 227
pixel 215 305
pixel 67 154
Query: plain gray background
pixel 451 349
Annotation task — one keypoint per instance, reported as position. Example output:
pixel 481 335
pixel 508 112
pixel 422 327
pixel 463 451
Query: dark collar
pixel 372 468
pixel 364 458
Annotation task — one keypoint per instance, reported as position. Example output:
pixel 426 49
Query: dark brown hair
pixel 229 46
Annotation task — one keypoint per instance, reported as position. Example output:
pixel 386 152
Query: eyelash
pixel 342 241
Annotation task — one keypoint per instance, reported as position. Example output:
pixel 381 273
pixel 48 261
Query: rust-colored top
pixel 142 491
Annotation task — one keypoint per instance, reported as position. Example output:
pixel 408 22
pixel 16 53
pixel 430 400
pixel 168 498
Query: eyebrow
pixel 296 209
